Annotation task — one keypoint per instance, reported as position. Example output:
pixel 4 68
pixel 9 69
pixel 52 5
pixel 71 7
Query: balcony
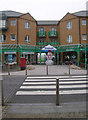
pixel 41 34
pixel 48 43
pixel 53 34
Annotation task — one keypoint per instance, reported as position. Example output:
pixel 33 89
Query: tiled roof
pixel 81 13
pixel 47 22
pixel 11 13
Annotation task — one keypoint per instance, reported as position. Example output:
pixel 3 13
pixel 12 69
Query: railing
pixel 41 34
pixel 48 43
pixel 53 34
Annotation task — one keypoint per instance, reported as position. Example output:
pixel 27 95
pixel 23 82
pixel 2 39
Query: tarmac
pixel 49 110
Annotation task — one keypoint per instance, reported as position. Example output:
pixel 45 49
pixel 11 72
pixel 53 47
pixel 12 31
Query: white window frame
pixel 69 25
pixel 12 38
pixel 2 23
pixel 2 38
pixel 27 25
pixel 69 39
pixel 84 36
pixel 41 29
pixel 28 39
pixel 13 22
pixel 84 22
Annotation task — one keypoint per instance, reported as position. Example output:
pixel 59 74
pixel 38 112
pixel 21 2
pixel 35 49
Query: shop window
pixel 69 39
pixel 9 58
pixel 27 25
pixel 27 39
pixel 41 29
pixel 13 22
pixel 84 37
pixel 69 25
pixel 2 38
pixel 13 37
pixel 84 22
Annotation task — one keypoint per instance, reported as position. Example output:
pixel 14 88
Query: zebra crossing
pixel 47 85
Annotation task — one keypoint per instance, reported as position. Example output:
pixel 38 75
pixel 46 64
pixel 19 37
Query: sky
pixel 44 9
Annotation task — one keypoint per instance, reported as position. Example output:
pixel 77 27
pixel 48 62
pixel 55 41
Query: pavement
pixel 42 70
pixel 46 110
pixel 71 110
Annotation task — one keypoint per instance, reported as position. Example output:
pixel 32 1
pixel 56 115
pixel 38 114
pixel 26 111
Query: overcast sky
pixel 44 9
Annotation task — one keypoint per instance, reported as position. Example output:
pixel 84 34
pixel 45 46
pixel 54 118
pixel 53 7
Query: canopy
pixel 47 48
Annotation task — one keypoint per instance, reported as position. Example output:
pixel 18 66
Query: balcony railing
pixel 53 34
pixel 41 34
pixel 48 43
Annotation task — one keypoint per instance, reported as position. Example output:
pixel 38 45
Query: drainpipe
pixel 17 42
pixel 79 32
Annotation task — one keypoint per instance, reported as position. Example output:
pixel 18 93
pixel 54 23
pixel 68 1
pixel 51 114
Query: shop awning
pixel 18 48
pixel 47 48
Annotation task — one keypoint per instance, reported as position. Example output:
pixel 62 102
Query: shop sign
pixel 70 49
pixel 9 52
pixel 28 53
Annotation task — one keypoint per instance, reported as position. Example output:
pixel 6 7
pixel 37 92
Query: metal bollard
pixel 1 92
pixel 69 69
pixel 8 69
pixel 26 71
pixel 46 69
pixel 57 91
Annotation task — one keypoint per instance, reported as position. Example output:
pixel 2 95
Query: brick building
pixel 68 36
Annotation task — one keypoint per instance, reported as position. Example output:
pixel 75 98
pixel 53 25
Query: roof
pixel 11 13
pixel 81 13
pixel 47 22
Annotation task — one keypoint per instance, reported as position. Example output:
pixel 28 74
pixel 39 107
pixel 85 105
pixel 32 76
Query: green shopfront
pixel 12 52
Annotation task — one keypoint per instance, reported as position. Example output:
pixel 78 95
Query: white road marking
pixel 55 79
pixel 67 82
pixel 52 86
pixel 51 92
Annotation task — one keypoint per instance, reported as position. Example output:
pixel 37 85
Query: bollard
pixel 69 69
pixel 26 71
pixel 1 92
pixel 57 91
pixel 46 69
pixel 8 69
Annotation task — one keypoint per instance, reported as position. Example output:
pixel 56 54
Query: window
pixel 2 38
pixel 41 29
pixel 13 37
pixel 69 25
pixel 27 25
pixel 83 22
pixel 69 39
pixel 2 23
pixel 27 39
pixel 53 29
pixel 13 22
pixel 84 37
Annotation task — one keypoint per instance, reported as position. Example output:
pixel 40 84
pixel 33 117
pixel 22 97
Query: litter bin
pixel 23 63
